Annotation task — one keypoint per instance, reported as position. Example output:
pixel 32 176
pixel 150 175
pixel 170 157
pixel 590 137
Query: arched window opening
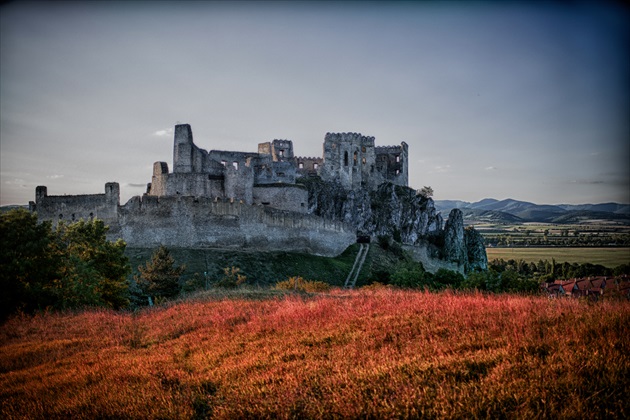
pixel 345 158
pixel 235 164
pixel 363 161
pixel 315 166
pixel 356 158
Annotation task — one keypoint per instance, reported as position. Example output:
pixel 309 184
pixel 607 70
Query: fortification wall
pixel 239 183
pixel 270 172
pixel 308 166
pixel 71 208
pixel 290 197
pixel 187 184
pixel 202 222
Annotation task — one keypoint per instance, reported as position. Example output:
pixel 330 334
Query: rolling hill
pixel 515 211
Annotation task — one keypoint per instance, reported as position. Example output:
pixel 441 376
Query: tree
pixel 93 270
pixel 26 262
pixel 232 278
pixel 426 192
pixel 447 278
pixel 159 278
pixel 71 266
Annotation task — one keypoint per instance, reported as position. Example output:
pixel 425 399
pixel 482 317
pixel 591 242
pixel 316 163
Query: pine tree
pixel 159 278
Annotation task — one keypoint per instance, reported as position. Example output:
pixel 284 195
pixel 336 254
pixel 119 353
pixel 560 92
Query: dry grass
pixel 361 354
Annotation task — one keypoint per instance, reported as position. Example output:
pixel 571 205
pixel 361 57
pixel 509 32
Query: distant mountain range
pixel 514 211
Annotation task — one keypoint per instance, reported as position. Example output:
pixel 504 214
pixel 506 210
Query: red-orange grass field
pixel 361 354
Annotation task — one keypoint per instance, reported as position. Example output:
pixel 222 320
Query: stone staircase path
pixel 351 280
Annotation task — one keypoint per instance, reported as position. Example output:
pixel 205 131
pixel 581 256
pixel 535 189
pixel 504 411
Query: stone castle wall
pixel 245 199
pixel 201 222
pixel 69 208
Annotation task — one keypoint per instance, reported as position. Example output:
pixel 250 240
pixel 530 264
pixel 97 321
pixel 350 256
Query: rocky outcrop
pixel 476 250
pixel 402 214
pixel 464 246
pixel 454 242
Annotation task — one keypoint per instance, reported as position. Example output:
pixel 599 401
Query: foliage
pixel 352 354
pixel 159 278
pixel 444 278
pixel 408 274
pixel 27 265
pixel 299 284
pixel 94 270
pixel 69 267
pixel 426 192
pixel 232 278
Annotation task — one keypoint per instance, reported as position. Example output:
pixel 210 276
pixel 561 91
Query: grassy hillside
pixel 359 354
pixel 267 268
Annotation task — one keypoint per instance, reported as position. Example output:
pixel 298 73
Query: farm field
pixel 608 257
pixel 369 353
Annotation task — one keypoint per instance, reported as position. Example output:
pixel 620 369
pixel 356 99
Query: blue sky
pixel 495 100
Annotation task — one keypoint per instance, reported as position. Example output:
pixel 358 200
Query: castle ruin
pixel 265 200
pixel 269 176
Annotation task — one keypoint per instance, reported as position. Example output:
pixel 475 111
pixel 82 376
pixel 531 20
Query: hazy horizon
pixel 517 100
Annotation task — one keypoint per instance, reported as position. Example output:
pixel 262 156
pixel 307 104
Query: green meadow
pixel 608 257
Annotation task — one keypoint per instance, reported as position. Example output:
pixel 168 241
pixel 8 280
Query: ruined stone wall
pixel 269 172
pixel 279 150
pixel 239 183
pixel 392 163
pixel 71 208
pixel 193 184
pixel 201 222
pixel 308 166
pixel 209 183
pixel 187 157
pixel 289 197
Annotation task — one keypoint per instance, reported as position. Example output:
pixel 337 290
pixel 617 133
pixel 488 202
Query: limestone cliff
pixel 402 214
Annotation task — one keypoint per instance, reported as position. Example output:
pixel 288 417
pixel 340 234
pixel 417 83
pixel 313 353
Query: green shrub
pixel 299 284
pixel 232 278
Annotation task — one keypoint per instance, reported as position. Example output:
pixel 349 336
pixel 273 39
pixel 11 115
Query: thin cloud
pixel 17 182
pixel 136 185
pixel 440 169
pixel 586 181
pixel 164 133
pixel 54 176
pixel 490 168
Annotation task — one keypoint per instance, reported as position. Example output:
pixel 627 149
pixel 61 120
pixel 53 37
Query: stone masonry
pixel 273 200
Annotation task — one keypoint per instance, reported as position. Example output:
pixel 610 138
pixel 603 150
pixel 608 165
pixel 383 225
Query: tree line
pixel 74 266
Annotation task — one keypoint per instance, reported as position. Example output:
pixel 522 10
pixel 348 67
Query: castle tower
pixel 183 149
pixel 349 158
pixel 112 193
pixel 280 150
